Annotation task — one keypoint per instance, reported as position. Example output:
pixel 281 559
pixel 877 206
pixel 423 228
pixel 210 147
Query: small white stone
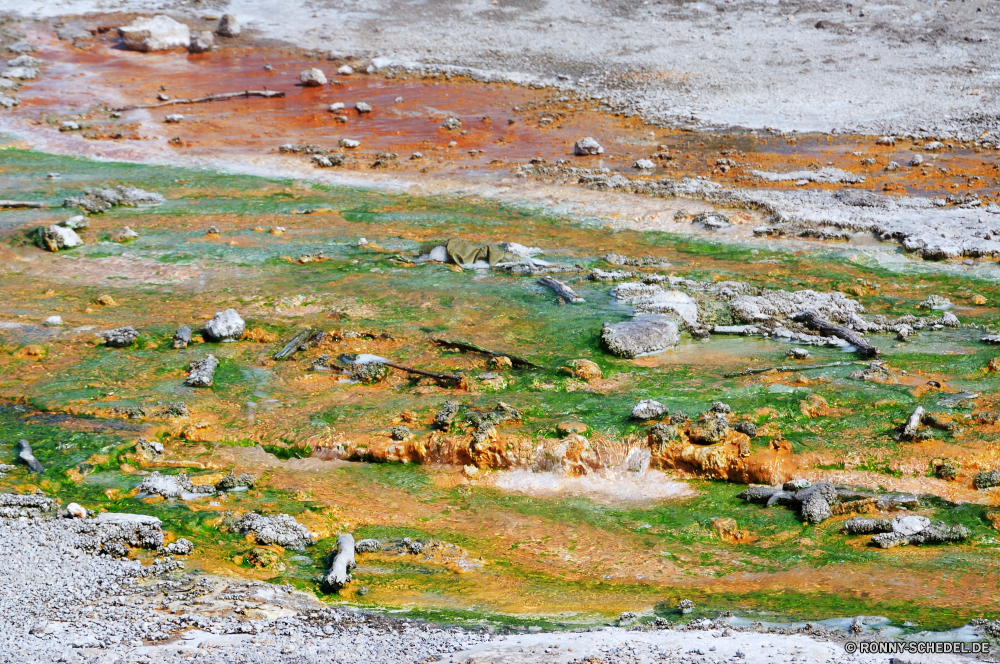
pixel 312 78
pixel 53 321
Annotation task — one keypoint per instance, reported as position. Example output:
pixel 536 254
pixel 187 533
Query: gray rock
pixel 710 431
pixel 644 165
pixel 120 337
pixel 225 326
pixel 124 235
pixel 720 407
pixel 234 481
pixel 20 73
pixel 9 102
pixel 27 457
pixel 228 26
pixel 863 526
pixel 168 486
pixel 797 353
pixel 712 220
pixel 76 223
pixel 201 42
pixel 444 417
pixel 101 200
pixel 949 319
pixel 367 546
pixel 660 434
pixel 182 337
pixel 986 479
pixel 312 78
pixel 202 372
pixel 910 524
pixel 281 529
pixel 643 335
pixel 362 107
pixel 159 33
pixel 587 146
pixel 889 540
pixel 452 124
pixel 181 547
pixel 796 484
pixel 57 238
pixel 815 508
pixel 648 409
pixel 748 428
pixel 941 533
pixel 909 430
pixel 149 449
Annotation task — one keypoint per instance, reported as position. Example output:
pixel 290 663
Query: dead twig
pixel 420 372
pixel 10 205
pixel 789 368
pixel 823 326
pixel 464 345
pixel 225 96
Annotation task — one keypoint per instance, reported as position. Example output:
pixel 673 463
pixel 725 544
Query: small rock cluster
pixel 906 529
pixel 818 502
pixel 280 529
pixel 96 201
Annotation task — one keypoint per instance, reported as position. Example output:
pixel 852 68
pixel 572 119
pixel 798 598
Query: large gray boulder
pixel 643 335
pixel 159 33
pixel 587 146
pixel 57 238
pixel 815 508
pixel 225 326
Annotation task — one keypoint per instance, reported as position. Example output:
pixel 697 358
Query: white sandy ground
pixel 906 65
pixel 58 604
pixel 608 487
pixel 674 646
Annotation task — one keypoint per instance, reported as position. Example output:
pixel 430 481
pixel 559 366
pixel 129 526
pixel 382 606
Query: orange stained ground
pixel 503 124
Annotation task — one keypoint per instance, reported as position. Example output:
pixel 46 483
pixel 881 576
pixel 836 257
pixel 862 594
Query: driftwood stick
pixel 823 326
pixel 10 205
pixel 340 571
pixel 246 94
pixel 788 368
pixel 561 289
pixel 292 346
pixel 420 372
pixel 465 345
